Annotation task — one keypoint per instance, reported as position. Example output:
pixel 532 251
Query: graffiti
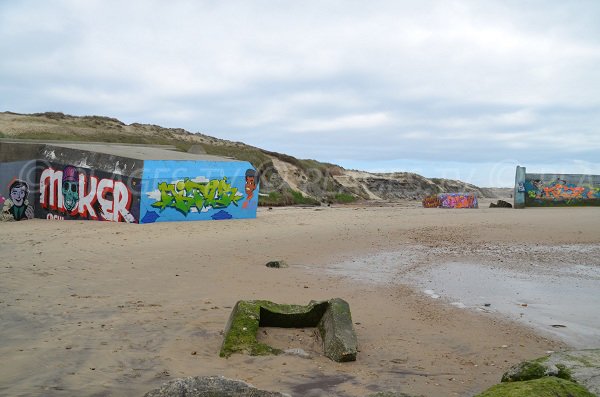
pixel 55 217
pixel 431 202
pixel 150 217
pixel 73 193
pixel 17 206
pixel 189 195
pixel 458 200
pixel 70 187
pixel 521 187
pixel 559 191
pixel 221 215
pixel 450 200
pixel 251 179
pixel 197 190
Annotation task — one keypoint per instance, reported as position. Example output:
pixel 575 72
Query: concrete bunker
pixel 332 318
pixel 450 200
pixel 121 183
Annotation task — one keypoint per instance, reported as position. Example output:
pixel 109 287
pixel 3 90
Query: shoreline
pixel 524 293
pixel 144 304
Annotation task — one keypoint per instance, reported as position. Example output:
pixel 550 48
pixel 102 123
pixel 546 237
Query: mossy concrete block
pixel 549 386
pixel 580 366
pixel 337 331
pixel 209 386
pixel 534 369
pixel 331 317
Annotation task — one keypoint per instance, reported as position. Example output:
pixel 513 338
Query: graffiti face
pixel 251 180
pixel 70 195
pixel 250 186
pixel 18 195
pixel 70 182
pixel 17 204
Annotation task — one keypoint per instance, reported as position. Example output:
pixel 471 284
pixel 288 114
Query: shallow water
pixel 566 306
pixel 555 289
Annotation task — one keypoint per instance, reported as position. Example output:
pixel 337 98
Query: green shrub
pixel 344 198
pixel 299 198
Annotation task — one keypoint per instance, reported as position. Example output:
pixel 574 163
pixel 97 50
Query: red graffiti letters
pixel 74 193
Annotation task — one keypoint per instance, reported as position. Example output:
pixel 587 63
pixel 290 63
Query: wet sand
pixel 95 309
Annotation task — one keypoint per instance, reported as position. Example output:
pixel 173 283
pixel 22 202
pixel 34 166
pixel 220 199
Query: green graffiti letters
pixel 187 194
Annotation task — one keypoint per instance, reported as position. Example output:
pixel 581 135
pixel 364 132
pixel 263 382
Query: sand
pixel 98 309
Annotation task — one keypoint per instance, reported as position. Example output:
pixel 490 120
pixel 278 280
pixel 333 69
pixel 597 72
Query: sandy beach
pixel 104 309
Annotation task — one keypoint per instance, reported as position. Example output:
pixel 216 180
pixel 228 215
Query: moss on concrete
pixel 247 316
pixel 527 370
pixel 543 387
pixel 564 372
pixel 240 333
pixel 579 366
pixel 337 332
pixel 536 369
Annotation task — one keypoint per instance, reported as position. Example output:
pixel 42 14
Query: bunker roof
pixel 132 151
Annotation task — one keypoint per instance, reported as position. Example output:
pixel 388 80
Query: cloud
pixel 345 81
pixel 348 122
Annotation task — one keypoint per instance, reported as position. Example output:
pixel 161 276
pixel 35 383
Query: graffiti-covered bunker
pixel 122 183
pixel 555 190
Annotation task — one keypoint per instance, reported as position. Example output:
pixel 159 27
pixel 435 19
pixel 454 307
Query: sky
pixel 455 89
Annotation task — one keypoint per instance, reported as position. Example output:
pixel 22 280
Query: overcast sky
pixel 458 89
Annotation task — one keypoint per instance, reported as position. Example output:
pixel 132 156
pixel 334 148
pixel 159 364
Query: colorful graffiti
pixel 251 182
pixel 458 200
pixel 197 190
pixel 17 190
pixel 431 201
pixel 153 191
pixel 188 194
pixel 17 205
pixel 451 200
pixel 559 191
pixel 69 193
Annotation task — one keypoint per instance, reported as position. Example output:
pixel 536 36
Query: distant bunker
pixel 121 183
pixel 332 318
pixel 451 200
pixel 555 190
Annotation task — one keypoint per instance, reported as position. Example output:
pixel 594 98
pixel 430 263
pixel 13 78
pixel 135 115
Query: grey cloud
pixel 474 82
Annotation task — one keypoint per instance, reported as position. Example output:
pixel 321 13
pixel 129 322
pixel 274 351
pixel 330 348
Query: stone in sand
pixel 209 386
pixel 277 264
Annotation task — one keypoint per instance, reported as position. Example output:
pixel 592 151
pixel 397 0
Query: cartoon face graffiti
pixel 17 204
pixel 251 179
pixel 70 187
pixel 18 193
pixel 250 183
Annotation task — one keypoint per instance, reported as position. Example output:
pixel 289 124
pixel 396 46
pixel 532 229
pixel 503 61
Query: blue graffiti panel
pixel 198 190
